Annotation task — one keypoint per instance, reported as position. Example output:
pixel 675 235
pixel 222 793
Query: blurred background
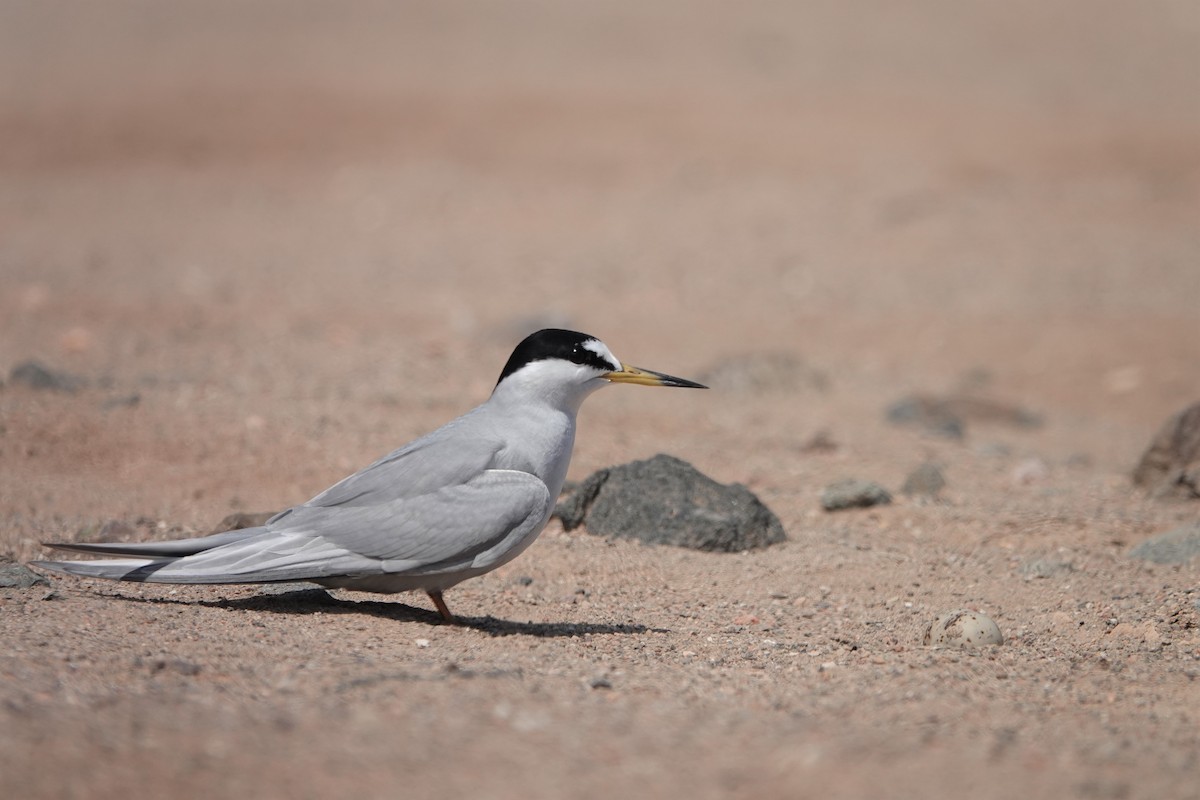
pixel 761 166
pixel 278 198
pixel 256 244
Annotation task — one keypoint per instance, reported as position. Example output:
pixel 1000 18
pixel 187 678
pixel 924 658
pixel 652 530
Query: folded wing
pixel 469 525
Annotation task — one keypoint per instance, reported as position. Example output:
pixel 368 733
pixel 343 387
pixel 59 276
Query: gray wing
pixel 469 526
pixel 449 456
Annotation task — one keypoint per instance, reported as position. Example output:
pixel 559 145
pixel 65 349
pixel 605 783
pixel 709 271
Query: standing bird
pixel 452 505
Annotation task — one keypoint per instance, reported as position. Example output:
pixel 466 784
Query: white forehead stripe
pixel 598 347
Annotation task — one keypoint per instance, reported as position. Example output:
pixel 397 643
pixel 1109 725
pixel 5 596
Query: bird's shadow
pixel 318 601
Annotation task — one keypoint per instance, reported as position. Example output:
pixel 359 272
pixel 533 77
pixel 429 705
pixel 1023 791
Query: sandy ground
pixel 278 239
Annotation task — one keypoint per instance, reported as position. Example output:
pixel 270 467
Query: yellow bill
pixel 645 377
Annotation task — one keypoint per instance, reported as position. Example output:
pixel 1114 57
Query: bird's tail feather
pixel 149 558
pixel 253 555
pixel 146 570
pixel 169 550
pixel 116 569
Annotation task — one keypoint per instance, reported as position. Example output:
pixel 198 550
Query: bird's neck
pixel 518 394
pixel 542 435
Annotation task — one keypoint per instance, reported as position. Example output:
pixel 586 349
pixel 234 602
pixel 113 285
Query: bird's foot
pixel 436 596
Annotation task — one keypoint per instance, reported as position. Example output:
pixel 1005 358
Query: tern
pixel 449 506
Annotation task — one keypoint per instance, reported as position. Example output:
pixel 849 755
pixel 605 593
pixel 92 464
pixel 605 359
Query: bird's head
pixel 570 365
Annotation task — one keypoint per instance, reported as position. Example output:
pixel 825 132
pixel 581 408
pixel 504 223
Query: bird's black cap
pixel 556 343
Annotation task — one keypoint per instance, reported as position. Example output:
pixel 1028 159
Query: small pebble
pixel 963 628
pixel 924 481
pixel 18 576
pixel 853 493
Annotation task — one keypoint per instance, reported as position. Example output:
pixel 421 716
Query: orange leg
pixel 436 596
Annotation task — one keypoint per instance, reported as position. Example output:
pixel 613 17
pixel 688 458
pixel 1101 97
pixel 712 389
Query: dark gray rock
pixel 924 481
pixel 931 415
pixel 1173 547
pixel 664 500
pixel 35 375
pixel 853 493
pixel 18 576
pixel 948 415
pixel 1171 464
